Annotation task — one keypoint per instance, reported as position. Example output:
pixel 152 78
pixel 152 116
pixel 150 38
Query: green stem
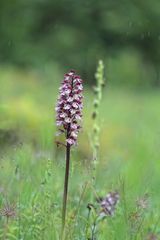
pixel 65 194
pixel 93 230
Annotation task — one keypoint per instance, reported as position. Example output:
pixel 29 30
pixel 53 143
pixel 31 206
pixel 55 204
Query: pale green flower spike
pixel 100 82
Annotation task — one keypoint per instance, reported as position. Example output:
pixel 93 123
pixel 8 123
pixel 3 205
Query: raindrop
pixel 130 24
pixel 9 43
pixel 149 34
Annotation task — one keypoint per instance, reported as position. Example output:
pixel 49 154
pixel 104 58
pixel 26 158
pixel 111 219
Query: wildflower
pixel 109 203
pixel 8 211
pixel 68 117
pixel 69 106
pixel 95 135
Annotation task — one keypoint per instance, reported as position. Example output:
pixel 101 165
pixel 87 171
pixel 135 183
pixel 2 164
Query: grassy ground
pixel 32 167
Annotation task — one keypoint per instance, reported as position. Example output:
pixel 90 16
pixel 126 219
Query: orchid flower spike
pixel 69 107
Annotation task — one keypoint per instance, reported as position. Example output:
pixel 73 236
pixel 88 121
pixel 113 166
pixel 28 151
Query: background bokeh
pixel 68 34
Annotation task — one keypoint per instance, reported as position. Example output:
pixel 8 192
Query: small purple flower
pixel 69 106
pixel 109 203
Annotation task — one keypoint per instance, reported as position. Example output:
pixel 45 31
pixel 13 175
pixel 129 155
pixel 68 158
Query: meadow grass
pixel 32 167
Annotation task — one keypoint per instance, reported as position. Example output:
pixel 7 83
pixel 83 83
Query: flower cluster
pixel 69 107
pixel 109 203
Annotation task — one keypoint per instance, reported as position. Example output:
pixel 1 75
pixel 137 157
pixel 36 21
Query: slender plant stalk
pixel 65 193
pixel 68 116
pixel 93 232
pixel 87 224
pixel 95 141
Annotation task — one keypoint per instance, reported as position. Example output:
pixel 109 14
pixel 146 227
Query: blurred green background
pixel 68 34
